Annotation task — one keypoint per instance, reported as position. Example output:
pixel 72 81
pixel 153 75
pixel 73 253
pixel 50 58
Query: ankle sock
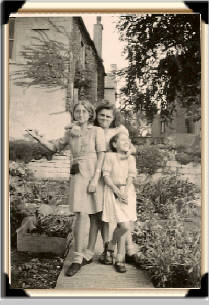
pixel 77 257
pixel 88 254
pixel 120 258
pixel 111 246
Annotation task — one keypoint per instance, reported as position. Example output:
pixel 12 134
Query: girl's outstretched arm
pixel 41 140
pixel 52 146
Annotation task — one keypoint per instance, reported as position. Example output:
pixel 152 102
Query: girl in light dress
pixel 119 169
pixel 108 118
pixel 87 145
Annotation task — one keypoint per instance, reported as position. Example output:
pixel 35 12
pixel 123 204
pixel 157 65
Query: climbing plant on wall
pixel 49 63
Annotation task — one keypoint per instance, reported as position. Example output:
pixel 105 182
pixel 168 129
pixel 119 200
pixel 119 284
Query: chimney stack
pixel 98 36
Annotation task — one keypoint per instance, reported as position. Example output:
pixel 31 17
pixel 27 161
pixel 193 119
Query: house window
pixel 11 36
pixel 189 125
pixel 83 54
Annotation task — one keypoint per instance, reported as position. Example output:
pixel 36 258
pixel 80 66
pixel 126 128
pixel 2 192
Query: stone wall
pixel 191 171
pixel 56 169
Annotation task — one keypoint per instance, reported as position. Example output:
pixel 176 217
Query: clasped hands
pixel 122 195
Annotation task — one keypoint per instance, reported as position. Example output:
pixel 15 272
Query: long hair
pixel 88 106
pixel 109 106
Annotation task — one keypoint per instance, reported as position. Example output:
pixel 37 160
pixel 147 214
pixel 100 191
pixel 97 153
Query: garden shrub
pixel 21 150
pixel 171 255
pixel 187 154
pixel 25 189
pixel 53 225
pixel 169 247
pixel 185 158
pixel 150 158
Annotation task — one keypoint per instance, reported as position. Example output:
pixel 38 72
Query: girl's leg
pixel 119 236
pixel 94 227
pixel 78 232
pixel 120 257
pixel 129 244
pixel 105 258
pixel 105 232
pixel 120 230
pixel 132 255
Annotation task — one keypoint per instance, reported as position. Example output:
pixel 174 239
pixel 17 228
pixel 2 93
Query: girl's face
pixel 123 143
pixel 105 118
pixel 81 114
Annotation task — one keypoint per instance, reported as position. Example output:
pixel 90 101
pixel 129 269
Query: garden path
pixel 96 275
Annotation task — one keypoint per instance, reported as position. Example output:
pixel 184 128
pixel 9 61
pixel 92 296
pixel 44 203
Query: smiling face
pixel 105 118
pixel 81 114
pixel 123 143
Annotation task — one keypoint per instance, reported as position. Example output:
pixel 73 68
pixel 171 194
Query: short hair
pixel 88 106
pixel 109 106
pixel 114 140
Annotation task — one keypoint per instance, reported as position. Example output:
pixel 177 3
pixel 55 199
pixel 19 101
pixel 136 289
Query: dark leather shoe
pixel 120 267
pixel 73 269
pixel 86 262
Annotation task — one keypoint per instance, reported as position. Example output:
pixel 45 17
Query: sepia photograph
pixel 105 189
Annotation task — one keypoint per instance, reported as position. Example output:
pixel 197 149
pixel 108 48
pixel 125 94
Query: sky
pixel 112 47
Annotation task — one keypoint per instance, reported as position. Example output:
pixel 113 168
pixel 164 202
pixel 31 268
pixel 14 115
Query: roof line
pixel 80 20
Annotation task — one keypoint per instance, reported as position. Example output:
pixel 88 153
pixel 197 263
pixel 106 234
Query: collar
pixel 122 157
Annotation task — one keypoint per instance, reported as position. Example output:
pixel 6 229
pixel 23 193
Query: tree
pixel 164 69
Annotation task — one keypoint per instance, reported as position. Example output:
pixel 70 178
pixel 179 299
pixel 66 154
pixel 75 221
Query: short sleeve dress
pixel 119 170
pixel 84 149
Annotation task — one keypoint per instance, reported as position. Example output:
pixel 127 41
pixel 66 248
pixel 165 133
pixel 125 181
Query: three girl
pixel 89 193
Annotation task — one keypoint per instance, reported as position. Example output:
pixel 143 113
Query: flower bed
pixel 168 232
pixel 27 195
pixel 51 234
pixel 34 271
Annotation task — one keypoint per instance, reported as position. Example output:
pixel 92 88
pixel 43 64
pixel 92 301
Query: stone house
pixel 182 127
pixel 44 109
pixel 40 108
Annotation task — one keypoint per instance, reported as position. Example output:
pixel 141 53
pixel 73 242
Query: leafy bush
pixel 169 245
pixel 20 150
pixel 150 158
pixel 162 196
pixel 26 192
pixel 185 158
pixel 171 255
pixel 53 225
pixel 186 154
